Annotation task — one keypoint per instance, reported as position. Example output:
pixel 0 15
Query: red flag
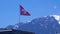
pixel 23 11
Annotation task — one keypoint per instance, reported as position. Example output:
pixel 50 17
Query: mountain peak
pixel 57 17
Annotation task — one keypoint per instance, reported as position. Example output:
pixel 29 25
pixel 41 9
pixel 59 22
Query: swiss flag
pixel 23 11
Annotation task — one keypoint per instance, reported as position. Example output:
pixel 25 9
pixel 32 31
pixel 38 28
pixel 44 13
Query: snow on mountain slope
pixel 41 25
pixel 57 17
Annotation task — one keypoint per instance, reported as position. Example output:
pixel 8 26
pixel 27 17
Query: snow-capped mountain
pixel 43 25
pixel 57 17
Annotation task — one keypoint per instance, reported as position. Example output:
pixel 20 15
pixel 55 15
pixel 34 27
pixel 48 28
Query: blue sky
pixel 9 10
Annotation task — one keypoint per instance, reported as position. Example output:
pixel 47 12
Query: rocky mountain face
pixel 42 25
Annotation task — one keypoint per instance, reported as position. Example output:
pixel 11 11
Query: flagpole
pixel 19 18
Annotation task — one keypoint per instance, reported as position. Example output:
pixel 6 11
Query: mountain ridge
pixel 42 25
